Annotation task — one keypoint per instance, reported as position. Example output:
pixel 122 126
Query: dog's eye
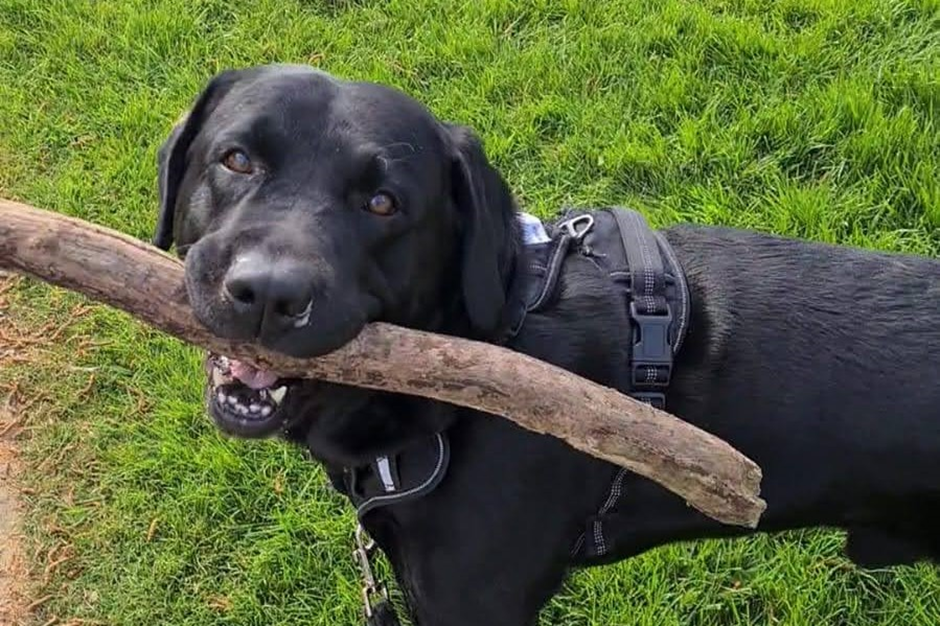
pixel 238 162
pixel 381 204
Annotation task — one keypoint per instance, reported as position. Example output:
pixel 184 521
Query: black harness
pixel 644 272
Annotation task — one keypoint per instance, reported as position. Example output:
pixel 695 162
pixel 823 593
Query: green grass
pixel 813 118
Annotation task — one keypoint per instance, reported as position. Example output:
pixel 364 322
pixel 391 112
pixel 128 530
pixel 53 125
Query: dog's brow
pixel 397 151
pixel 398 144
pixel 387 154
pixel 383 161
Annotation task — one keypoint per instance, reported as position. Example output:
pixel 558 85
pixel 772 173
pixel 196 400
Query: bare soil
pixel 14 602
pixel 14 571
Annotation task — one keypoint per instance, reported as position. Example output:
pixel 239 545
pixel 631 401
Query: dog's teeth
pixel 266 410
pixel 242 409
pixel 254 408
pixel 232 400
pixel 217 377
pixel 221 397
pixel 278 394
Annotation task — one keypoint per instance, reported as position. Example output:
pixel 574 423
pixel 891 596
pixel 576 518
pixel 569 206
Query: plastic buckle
pixel 651 346
pixel 655 399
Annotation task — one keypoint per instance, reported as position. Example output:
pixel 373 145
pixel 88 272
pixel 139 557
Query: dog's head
pixel 307 206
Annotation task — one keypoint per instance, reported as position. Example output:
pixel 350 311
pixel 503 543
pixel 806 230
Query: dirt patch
pixel 26 343
pixel 14 568
pixel 14 603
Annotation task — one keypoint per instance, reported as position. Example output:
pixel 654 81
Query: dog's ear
pixel 172 155
pixel 486 212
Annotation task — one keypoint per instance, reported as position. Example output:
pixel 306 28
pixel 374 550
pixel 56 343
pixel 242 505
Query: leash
pixel 388 480
pixel 377 607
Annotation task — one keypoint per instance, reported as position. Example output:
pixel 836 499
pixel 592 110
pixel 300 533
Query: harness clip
pixel 372 590
pixel 570 226
pixel 652 352
pixel 655 399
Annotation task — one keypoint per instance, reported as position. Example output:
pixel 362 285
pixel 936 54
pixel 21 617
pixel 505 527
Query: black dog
pixel 306 207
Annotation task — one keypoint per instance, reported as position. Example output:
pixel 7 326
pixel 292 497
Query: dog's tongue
pixel 252 376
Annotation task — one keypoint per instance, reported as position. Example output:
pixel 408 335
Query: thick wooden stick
pixel 123 272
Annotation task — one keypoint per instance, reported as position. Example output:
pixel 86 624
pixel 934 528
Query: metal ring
pixel 571 226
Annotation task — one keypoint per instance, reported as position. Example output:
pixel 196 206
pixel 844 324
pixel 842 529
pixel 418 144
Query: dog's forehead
pixel 299 103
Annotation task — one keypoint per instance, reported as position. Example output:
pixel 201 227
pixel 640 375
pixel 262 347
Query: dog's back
pixel 820 363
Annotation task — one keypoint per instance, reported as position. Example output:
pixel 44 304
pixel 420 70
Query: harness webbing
pixel 641 265
pixel 642 268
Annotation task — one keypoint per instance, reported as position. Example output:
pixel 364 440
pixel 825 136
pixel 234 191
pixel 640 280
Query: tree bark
pixel 123 272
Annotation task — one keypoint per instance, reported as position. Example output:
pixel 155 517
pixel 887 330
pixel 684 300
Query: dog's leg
pixel 874 548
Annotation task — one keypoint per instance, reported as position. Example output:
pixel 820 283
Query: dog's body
pixel 813 360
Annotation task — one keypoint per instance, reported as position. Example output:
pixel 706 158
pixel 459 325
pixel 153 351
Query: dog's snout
pixel 262 289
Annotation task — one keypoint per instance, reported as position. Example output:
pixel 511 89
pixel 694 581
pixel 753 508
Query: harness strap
pixel 681 298
pixel 648 277
pixel 642 266
pixel 652 352
pixel 394 479
pixel 541 261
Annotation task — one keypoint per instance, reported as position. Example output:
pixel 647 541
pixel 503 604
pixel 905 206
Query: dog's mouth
pixel 245 401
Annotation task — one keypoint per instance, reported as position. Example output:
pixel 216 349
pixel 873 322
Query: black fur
pixel 816 361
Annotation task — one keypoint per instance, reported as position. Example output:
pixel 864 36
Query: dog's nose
pixel 275 291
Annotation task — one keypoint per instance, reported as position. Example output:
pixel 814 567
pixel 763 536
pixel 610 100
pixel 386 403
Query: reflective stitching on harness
pixel 553 269
pixel 614 491
pixel 404 494
pixel 578 544
pixel 600 544
pixel 599 538
pixel 682 288
pixel 648 279
pixel 649 294
pixel 385 473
